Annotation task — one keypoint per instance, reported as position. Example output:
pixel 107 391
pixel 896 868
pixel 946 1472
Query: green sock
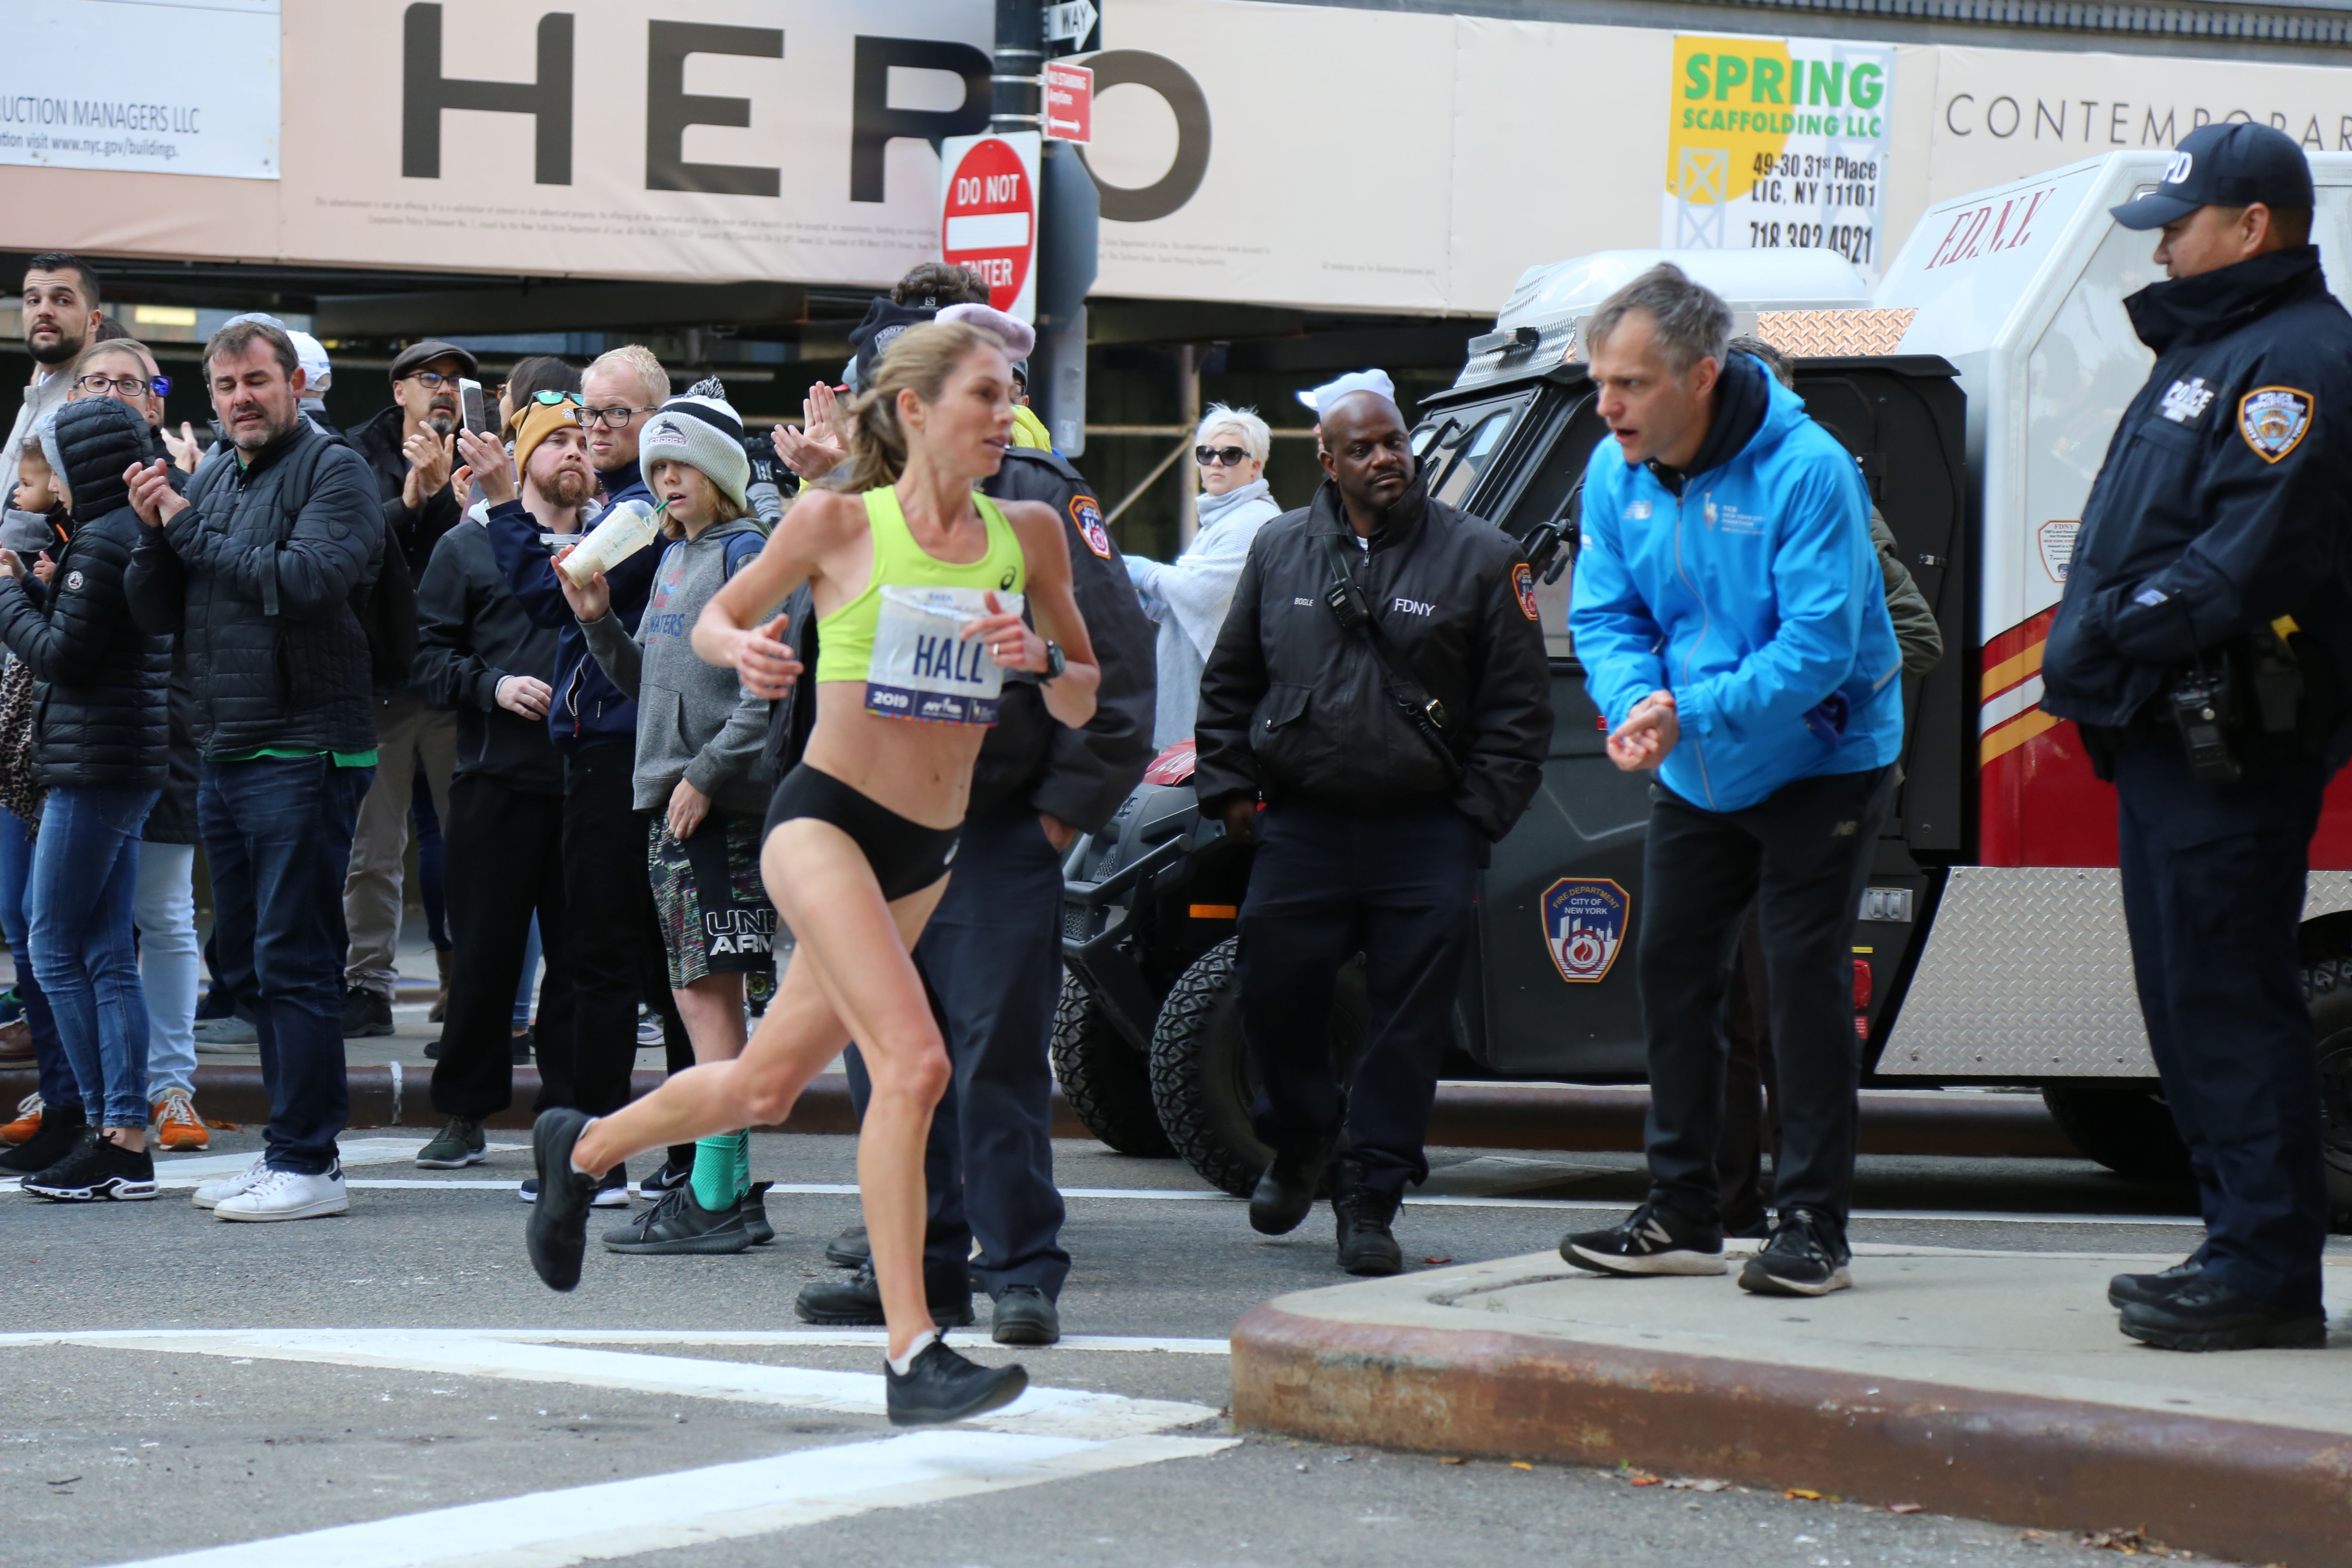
pixel 719 1174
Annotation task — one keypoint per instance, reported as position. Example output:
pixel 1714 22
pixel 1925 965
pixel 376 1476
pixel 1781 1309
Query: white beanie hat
pixel 701 429
pixel 1330 392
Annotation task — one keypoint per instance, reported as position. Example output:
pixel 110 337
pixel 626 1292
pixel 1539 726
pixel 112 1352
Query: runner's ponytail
pixel 918 360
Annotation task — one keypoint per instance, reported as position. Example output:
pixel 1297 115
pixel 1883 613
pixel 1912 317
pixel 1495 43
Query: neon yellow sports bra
pixel 900 635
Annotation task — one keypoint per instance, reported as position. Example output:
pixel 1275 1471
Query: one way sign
pixel 1072 27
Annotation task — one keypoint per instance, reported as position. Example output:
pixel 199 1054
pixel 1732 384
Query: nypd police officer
pixel 1381 682
pixel 2203 647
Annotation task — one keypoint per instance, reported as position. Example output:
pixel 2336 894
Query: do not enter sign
pixel 988 215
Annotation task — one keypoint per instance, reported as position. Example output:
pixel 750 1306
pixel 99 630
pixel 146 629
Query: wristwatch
pixel 1055 662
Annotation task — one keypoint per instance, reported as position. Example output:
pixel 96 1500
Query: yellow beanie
pixel 537 422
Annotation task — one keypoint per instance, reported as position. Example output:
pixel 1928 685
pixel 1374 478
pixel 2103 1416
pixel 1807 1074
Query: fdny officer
pixel 1381 682
pixel 2203 647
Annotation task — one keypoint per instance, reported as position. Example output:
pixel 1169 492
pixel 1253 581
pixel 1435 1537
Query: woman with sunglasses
pixel 1187 597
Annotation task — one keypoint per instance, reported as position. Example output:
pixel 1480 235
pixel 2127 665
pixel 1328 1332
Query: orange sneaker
pixel 27 1123
pixel 177 1126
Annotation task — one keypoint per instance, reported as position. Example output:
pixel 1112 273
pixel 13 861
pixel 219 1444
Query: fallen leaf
pixel 1521 1465
pixel 2132 1542
pixel 1692 1484
pixel 1437 1260
pixel 1903 1508
pixel 1641 1478
pixel 1448 1460
pixel 1801 1492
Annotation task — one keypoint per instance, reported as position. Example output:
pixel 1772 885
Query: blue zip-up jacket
pixel 1754 597
pixel 588 709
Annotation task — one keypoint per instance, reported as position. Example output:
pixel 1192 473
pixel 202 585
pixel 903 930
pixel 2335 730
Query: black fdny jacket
pixel 1294 706
pixel 471 634
pixel 99 704
pixel 257 576
pixel 1029 757
pixel 2224 498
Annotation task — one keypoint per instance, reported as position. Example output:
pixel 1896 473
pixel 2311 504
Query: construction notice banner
pixel 164 86
pixel 1779 142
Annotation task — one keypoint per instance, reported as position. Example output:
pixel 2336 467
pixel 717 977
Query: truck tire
pixel 1107 1081
pixel 1201 1077
pixel 2127 1128
pixel 2328 988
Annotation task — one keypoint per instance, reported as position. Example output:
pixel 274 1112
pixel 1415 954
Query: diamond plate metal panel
pixel 2027 975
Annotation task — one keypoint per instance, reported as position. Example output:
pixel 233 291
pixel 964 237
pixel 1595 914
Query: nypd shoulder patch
pixel 1087 513
pixel 2275 420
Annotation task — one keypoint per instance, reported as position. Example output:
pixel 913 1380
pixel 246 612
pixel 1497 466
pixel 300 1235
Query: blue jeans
pixel 85 872
pixel 169 965
pixel 58 1085
pixel 278 837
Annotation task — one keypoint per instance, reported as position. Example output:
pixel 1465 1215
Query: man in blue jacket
pixel 614 943
pixel 1734 632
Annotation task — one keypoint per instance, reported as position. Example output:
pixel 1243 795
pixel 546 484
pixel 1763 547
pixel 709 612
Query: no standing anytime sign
pixel 988 215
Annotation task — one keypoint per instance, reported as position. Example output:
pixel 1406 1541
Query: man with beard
pixel 255 569
pixel 479 654
pixel 60 307
pixel 1381 682
pixel 411 448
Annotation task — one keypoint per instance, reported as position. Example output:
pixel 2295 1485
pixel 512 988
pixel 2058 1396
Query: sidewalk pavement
pixel 1981 1384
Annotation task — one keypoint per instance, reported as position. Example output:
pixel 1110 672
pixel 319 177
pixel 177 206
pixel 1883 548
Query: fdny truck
pixel 1976 386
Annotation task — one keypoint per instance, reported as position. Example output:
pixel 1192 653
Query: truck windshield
pixel 1464 445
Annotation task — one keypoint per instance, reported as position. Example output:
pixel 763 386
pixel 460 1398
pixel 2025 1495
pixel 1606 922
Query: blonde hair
pixel 720 505
pixel 125 346
pixel 918 360
pixel 639 361
pixel 1255 437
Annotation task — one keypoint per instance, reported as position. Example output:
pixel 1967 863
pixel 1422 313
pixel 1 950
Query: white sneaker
pixel 209 1195
pixel 288 1195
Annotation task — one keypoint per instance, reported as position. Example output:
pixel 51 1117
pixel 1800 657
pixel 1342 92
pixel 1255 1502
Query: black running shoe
pixel 557 1232
pixel 367 1015
pixel 680 1225
pixel 940 1385
pixel 1652 1239
pixel 673 1175
pixel 2200 1313
pixel 849 1249
pixel 754 1205
pixel 856 1301
pixel 61 1130
pixel 95 1171
pixel 2126 1288
pixel 612 1189
pixel 1806 1255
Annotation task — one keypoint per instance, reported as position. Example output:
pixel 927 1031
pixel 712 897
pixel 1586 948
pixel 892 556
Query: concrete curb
pixel 2241 1489
pixel 1466 1115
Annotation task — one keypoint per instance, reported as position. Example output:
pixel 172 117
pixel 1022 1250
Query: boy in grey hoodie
pixel 700 735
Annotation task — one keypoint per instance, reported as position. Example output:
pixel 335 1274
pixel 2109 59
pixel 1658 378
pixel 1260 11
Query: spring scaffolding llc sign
pixel 1778 143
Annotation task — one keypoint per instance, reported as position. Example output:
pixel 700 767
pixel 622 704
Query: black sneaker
pixel 940 1385
pixel 61 1129
pixel 2126 1288
pixel 1367 1244
pixel 673 1175
pixel 857 1301
pixel 1025 1315
pixel 680 1225
pixel 1286 1192
pixel 849 1249
pixel 612 1190
pixel 366 1014
pixel 556 1235
pixel 518 1049
pixel 1652 1239
pixel 754 1207
pixel 2200 1313
pixel 94 1171
pixel 459 1144
pixel 1806 1255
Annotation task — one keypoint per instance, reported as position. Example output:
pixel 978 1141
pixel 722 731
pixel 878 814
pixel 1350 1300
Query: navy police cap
pixel 2226 166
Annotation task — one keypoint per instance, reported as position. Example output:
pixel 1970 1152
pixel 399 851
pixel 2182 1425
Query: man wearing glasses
pixel 59 301
pixel 410 446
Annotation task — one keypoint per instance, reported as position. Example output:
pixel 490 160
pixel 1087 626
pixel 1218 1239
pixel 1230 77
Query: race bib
pixel 922 668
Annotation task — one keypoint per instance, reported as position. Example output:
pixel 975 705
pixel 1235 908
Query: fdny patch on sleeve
pixel 2275 420
pixel 1087 513
pixel 1523 579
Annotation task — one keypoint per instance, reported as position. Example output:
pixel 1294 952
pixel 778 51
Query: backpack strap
pixel 742 549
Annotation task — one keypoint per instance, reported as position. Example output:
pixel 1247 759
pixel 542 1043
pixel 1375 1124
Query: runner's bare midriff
pixel 922 772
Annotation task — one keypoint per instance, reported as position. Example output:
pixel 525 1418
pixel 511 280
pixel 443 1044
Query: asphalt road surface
pixel 186 1390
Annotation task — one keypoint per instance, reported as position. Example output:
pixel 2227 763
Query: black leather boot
pixel 1286 1192
pixel 1367 1246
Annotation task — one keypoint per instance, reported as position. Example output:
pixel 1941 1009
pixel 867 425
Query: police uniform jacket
pixel 1295 707
pixel 2224 498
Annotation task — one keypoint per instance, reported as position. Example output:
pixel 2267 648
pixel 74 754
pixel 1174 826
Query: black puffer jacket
pixel 257 573
pixel 471 634
pixel 98 702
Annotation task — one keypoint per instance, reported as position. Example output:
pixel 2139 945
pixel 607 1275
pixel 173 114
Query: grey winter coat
pixel 695 721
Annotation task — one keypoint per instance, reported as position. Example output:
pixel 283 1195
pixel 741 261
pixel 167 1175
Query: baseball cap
pixel 416 356
pixel 2228 165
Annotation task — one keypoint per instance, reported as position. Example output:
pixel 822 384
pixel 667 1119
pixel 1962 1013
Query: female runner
pixel 915 576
